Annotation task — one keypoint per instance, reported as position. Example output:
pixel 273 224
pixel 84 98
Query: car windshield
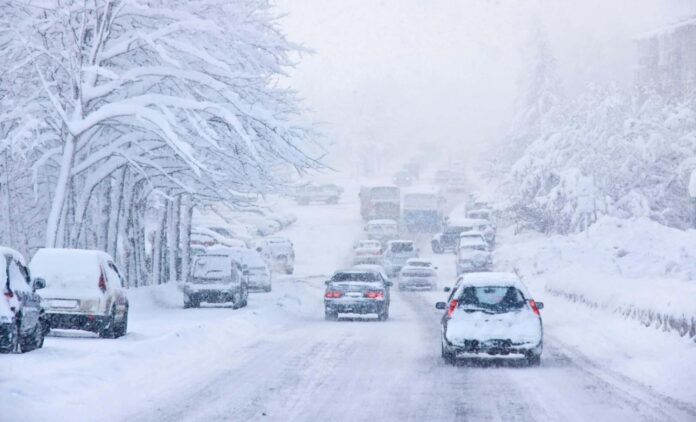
pixel 497 299
pixel 208 268
pixel 402 247
pixel 356 276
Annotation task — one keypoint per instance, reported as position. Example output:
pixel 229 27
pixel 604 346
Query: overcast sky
pixel 443 74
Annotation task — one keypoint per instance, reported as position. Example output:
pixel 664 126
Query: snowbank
pixel 636 267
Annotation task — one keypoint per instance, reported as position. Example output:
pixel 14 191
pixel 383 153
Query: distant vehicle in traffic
pixel 448 238
pixel 84 291
pixel 357 292
pixel 478 225
pixel 327 193
pixel 279 254
pixel 402 178
pixel 484 214
pixel 216 277
pixel 380 202
pixel 22 318
pixel 258 274
pixel 420 262
pixel 382 230
pixel 473 255
pixel 442 177
pixel 417 277
pixel 396 253
pixel 422 210
pixel 493 315
pixel 367 252
pixel 456 182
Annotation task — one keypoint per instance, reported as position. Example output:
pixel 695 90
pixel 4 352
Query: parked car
pixel 357 292
pixel 367 252
pixel 213 236
pixel 22 318
pixel 216 277
pixel 257 272
pixel 491 314
pixel 473 255
pixel 84 291
pixel 279 254
pixel 417 277
pixel 382 230
pixel 396 253
pixel 328 194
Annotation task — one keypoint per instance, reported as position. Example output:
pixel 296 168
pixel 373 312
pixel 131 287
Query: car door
pixel 116 284
pixel 30 302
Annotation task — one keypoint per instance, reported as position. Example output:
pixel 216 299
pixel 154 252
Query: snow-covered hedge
pixel 637 268
pixel 630 154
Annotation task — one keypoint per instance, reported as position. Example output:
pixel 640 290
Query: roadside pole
pixel 692 193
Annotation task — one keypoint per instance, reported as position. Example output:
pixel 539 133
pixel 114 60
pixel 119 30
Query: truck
pixel 380 202
pixel 423 210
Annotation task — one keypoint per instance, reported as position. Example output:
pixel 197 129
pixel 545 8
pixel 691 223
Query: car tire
pixel 268 288
pixel 122 328
pixel 330 315
pixel 447 356
pixel 533 359
pixel 289 271
pixel 33 341
pixel 108 329
pixel 13 343
pixel 384 315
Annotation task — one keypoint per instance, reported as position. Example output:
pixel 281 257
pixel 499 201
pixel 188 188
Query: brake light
pixel 452 306
pixel 9 294
pixel 374 294
pixel 333 294
pixel 102 283
pixel 532 304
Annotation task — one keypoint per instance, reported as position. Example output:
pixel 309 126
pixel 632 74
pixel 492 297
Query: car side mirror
pixel 258 249
pixel 441 306
pixel 436 268
pixel 447 289
pixel 39 283
pixel 388 283
pixel 327 282
pixel 540 305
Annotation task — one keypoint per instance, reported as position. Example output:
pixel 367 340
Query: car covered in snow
pixel 382 230
pixel 367 252
pixel 417 277
pixel 484 214
pixel 279 253
pixel 357 291
pixel 478 225
pixel 327 193
pixel 214 236
pixel 403 178
pixel 22 318
pixel 84 291
pixel 373 267
pixel 216 277
pixel 491 315
pixel 447 239
pixel 473 255
pixel 396 253
pixel 255 268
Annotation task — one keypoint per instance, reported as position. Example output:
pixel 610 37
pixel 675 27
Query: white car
pixel 473 255
pixel 396 253
pixel 491 315
pixel 216 277
pixel 279 254
pixel 382 230
pixel 254 267
pixel 417 277
pixel 367 252
pixel 84 291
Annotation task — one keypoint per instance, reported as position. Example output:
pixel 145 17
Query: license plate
pixel 62 303
pixel 354 294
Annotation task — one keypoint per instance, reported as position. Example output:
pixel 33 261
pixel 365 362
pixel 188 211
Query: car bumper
pixel 76 321
pixel 494 347
pixel 356 307
pixel 212 296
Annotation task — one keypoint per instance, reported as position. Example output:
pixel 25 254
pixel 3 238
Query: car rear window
pixel 356 276
pixel 496 299
pixel 74 269
pixel 402 247
pixel 212 267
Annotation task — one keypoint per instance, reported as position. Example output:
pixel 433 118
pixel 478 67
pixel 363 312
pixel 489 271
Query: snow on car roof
pixel 493 279
pixel 4 250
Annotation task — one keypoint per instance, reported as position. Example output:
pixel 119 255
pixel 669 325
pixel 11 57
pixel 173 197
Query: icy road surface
pixel 278 360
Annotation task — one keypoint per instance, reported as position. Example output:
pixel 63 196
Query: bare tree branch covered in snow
pixel 110 102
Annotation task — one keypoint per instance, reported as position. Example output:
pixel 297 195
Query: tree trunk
pixel 173 238
pixel 62 184
pixel 186 237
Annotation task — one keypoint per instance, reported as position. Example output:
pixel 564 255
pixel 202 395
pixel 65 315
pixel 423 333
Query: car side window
pixel 112 275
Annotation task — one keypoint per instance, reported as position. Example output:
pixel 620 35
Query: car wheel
pixel 330 315
pixel 32 341
pixel 289 271
pixel 122 328
pixel 108 329
pixel 533 359
pixel 11 343
pixel 384 315
pixel 436 247
pixel 267 288
pixel 448 356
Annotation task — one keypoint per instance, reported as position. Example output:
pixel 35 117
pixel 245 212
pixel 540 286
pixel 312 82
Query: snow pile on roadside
pixel 635 267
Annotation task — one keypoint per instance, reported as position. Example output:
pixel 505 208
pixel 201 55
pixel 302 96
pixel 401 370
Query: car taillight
pixel 374 294
pixel 9 295
pixel 333 294
pixel 532 304
pixel 452 306
pixel 102 283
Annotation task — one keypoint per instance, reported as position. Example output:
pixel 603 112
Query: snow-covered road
pixel 279 360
